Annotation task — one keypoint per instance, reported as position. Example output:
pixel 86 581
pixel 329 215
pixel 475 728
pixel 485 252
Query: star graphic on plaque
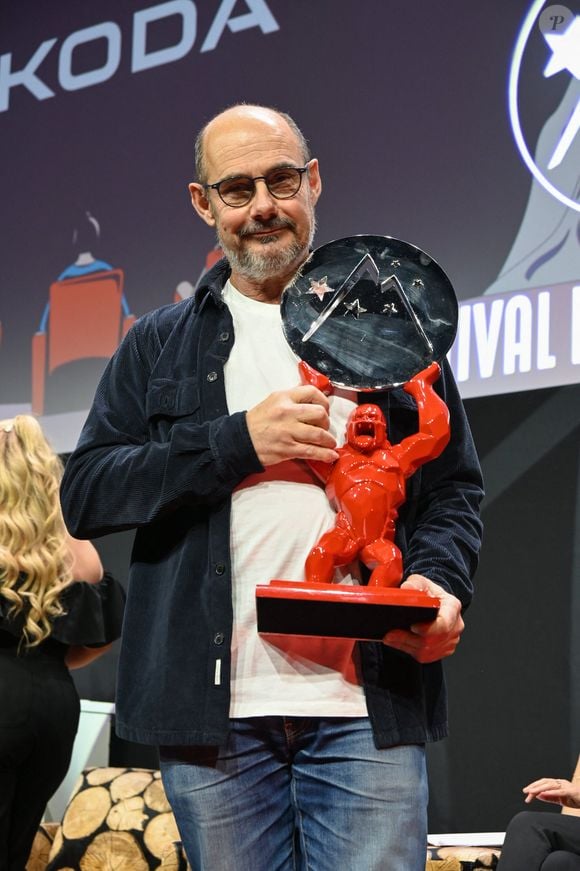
pixel 368 310
pixel 320 287
pixel 355 308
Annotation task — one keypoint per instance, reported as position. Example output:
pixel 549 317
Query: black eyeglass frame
pixel 216 185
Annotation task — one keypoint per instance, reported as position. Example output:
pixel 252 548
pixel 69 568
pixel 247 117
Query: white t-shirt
pixel 277 516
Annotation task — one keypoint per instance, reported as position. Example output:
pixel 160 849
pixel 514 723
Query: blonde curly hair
pixel 35 558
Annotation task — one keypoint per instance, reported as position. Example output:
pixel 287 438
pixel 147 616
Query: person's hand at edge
pixel 554 790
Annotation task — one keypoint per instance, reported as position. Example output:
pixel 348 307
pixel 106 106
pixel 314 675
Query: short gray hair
pixel 200 169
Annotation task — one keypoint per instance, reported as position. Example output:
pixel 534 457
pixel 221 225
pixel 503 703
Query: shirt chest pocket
pixel 168 402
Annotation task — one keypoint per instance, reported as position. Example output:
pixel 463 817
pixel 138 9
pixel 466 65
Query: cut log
pixel 39 852
pixel 130 783
pixel 160 832
pixel 127 814
pixel 98 776
pixel 56 844
pixel 114 851
pixel 86 812
pixel 155 797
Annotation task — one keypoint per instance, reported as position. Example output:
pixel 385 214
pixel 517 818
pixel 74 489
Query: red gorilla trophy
pixel 367 486
pixel 367 482
pixel 372 313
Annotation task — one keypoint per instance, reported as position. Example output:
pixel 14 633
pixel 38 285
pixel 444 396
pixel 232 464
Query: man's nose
pixel 263 204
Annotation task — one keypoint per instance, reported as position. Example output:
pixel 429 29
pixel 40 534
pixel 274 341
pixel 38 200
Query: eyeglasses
pixel 282 183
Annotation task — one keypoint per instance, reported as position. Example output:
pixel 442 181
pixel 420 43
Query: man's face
pixel 268 237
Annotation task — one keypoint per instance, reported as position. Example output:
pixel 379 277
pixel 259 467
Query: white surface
pixel 91 748
pixel 467 839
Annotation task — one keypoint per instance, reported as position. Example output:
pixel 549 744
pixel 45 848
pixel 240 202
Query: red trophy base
pixel 339 611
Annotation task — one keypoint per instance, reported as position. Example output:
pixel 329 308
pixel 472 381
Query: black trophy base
pixel 339 611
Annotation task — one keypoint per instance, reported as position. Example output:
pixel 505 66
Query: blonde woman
pixel 58 610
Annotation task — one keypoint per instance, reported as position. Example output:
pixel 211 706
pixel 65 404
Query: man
pixel 273 752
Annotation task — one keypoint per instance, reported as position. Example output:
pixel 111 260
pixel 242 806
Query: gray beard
pixel 259 266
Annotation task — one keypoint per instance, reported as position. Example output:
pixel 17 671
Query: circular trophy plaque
pixel 369 312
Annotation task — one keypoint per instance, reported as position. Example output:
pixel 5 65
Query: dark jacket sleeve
pixel 120 477
pixel 443 524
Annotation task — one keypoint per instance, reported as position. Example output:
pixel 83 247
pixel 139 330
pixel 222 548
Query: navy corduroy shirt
pixel 160 453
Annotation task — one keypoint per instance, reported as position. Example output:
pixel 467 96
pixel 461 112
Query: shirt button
pixel 218 638
pixel 220 569
pixel 212 376
pixel 224 336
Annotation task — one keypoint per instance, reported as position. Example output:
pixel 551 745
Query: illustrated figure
pixel 84 319
pixel 367 482
pixel 545 249
pixel 86 235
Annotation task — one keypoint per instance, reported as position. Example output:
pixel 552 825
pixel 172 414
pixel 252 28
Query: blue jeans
pixel 289 793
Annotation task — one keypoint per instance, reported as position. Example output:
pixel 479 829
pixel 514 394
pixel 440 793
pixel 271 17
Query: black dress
pixel 39 709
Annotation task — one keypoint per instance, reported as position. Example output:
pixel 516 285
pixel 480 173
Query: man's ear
pixel 200 202
pixel 314 180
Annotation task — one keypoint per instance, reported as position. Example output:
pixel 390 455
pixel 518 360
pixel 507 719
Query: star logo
pixel 355 308
pixel 390 308
pixel 565 50
pixel 320 287
pixel 417 283
pixel 557 145
pixel 395 264
pixel 565 56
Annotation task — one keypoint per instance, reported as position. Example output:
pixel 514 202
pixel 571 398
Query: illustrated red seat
pixel 85 321
pixel 211 258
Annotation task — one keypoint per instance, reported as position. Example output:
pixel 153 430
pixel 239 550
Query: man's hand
pixel 554 790
pixel 428 642
pixel 290 425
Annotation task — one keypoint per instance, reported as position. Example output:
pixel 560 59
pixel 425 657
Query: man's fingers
pixel 315 454
pixel 442 625
pixel 423 648
pixel 307 394
pixel 311 413
pixel 305 433
pixel 292 424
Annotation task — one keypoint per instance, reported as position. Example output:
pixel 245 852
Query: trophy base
pixel 339 611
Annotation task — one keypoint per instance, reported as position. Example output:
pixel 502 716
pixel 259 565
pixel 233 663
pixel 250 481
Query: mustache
pixel 276 223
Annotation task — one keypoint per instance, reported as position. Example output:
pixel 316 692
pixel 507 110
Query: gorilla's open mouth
pixel 364 428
